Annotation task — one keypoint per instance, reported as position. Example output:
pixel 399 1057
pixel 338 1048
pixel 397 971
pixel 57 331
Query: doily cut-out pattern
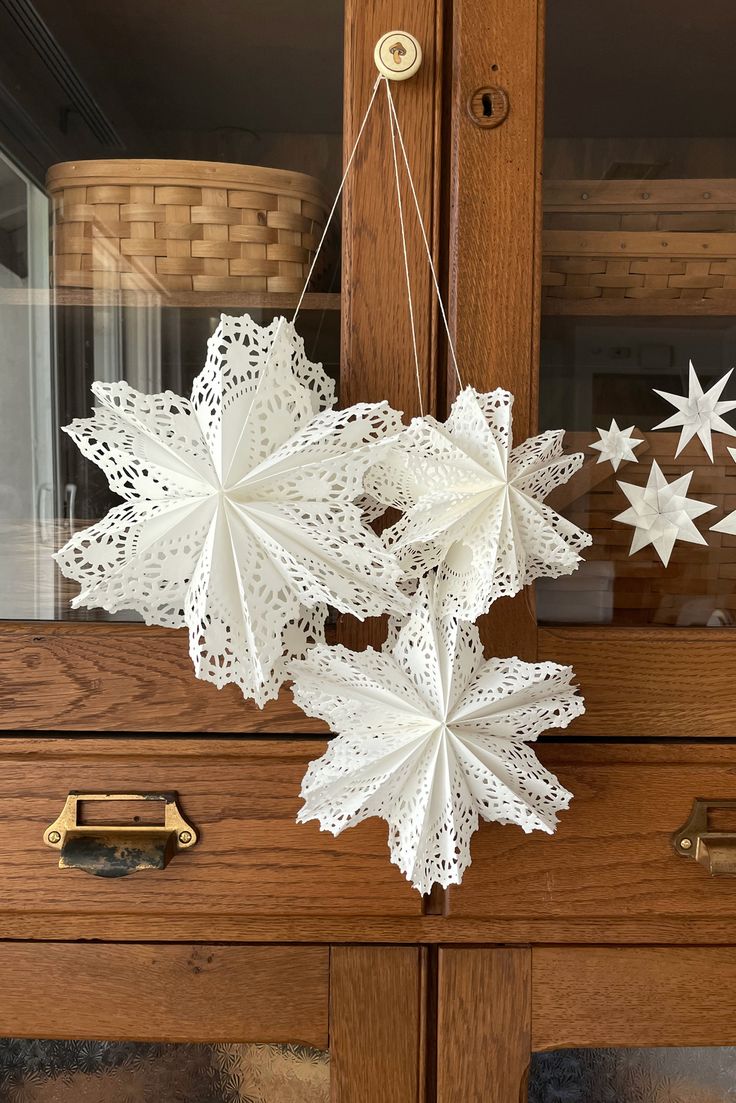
pixel 699 412
pixel 241 516
pixel 661 513
pixel 474 506
pixel 432 737
pixel 616 445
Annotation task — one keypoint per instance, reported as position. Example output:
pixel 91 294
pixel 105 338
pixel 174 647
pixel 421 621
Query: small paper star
pixel 616 445
pixel 699 412
pixel 662 513
pixel 728 523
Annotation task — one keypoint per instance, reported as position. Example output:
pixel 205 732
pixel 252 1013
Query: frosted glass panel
pixel 683 1075
pixel 39 1071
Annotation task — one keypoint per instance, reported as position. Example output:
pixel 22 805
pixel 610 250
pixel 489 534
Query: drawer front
pixel 612 856
pixel 251 859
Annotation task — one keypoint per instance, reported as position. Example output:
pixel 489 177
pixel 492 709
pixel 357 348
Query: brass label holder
pixel 715 850
pixel 112 851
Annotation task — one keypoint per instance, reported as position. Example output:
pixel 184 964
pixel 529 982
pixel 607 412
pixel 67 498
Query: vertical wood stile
pixel 484 1024
pixel 377 1024
pixel 495 209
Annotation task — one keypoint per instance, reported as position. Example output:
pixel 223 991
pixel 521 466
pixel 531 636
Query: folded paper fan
pixel 241 515
pixel 474 507
pixel 431 737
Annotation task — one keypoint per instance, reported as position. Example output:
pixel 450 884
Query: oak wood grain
pixel 377 1024
pixel 649 682
pixel 362 930
pixel 611 857
pixel 484 1009
pixel 633 996
pixel 495 212
pixel 377 360
pixel 242 796
pixel 183 993
pixel 121 677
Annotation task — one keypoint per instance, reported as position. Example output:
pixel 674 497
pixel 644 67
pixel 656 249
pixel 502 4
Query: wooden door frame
pixel 638 682
pixel 367 1004
pixel 497 1005
pixel 128 677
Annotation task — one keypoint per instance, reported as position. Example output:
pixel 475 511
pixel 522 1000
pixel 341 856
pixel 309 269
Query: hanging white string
pixel 331 215
pixel 450 343
pixel 405 253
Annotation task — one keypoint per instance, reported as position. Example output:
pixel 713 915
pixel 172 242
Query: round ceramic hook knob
pixel 398 55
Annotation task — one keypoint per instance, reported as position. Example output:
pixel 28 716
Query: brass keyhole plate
pixel 488 107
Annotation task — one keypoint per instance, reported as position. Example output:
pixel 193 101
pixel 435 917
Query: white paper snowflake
pixel 431 737
pixel 473 507
pixel 616 445
pixel 662 513
pixel 239 519
pixel 699 413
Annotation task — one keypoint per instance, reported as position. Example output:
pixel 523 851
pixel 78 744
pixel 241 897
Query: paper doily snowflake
pixel 473 507
pixel 431 737
pixel 239 517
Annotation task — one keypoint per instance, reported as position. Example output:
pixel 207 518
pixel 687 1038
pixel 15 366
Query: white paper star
pixel 728 523
pixel 430 738
pixel 473 508
pixel 699 413
pixel 662 513
pixel 239 519
pixel 616 445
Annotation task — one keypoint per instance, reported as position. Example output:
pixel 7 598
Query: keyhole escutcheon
pixel 488 107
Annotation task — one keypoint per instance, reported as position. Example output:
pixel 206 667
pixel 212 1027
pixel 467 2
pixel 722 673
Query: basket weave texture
pixel 163 226
pixel 661 239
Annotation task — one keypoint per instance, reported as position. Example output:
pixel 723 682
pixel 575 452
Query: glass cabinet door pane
pixel 174 161
pixel 639 279
pixel 42 1071
pixel 681 1075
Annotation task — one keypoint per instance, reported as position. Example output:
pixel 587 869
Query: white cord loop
pixel 400 204
pixel 395 130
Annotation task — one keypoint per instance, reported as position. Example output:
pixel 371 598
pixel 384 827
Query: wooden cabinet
pixel 584 245
pixel 355 1012
pixel 620 1001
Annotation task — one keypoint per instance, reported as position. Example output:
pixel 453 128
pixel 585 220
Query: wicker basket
pixel 164 226
pixel 639 239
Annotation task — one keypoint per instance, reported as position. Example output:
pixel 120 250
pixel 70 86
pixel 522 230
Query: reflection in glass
pixel 685 1075
pixel 83 82
pixel 39 1071
pixel 639 278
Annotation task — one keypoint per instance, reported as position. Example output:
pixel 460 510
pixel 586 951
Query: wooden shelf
pixel 723 306
pixel 225 300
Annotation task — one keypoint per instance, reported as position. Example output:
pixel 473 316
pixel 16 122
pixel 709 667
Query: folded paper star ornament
pixel 698 412
pixel 616 445
pixel 661 513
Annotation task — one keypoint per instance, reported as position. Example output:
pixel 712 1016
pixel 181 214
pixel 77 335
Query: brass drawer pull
pixel 716 850
pixel 112 851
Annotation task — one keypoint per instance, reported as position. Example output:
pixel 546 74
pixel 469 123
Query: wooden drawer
pixel 251 860
pixel 610 872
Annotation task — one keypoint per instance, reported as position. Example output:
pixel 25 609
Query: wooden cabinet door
pixel 217 1022
pixel 117 84
pixel 591 253
pixel 590 1022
